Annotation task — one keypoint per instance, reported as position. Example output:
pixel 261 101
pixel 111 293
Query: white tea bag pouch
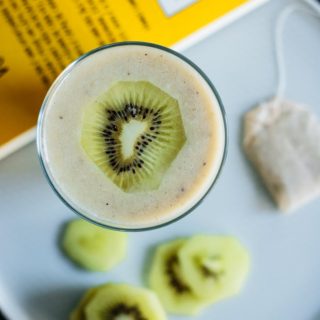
pixel 282 140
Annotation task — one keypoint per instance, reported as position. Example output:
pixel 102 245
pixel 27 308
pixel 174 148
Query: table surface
pixel 36 282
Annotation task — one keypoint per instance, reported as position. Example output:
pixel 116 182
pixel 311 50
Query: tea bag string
pixel 279 47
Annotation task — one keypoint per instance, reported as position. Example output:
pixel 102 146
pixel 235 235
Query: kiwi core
pixel 131 132
pixel 211 266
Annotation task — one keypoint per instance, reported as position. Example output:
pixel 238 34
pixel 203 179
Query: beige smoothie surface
pixel 84 185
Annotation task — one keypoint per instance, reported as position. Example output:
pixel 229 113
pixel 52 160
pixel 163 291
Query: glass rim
pixel 65 73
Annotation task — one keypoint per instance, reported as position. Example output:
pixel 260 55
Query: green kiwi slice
pixel 122 301
pixel 166 280
pixel 215 267
pixel 92 247
pixel 133 132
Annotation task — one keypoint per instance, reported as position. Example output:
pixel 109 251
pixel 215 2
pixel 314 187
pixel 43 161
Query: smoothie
pixel 83 183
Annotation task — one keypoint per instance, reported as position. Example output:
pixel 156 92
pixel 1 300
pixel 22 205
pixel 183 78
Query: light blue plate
pixel 38 283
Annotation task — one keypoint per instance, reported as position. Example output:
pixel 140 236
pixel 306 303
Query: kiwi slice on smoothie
pixel 133 132
pixel 93 247
pixel 214 267
pixel 122 301
pixel 166 280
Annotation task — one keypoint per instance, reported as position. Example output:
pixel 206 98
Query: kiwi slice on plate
pixel 166 280
pixel 214 267
pixel 121 301
pixel 93 247
pixel 133 132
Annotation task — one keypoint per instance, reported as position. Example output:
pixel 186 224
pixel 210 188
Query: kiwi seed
pixel 174 280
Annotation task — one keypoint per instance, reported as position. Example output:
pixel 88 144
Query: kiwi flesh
pixel 214 267
pixel 133 132
pixel 92 247
pixel 78 312
pixel 122 301
pixel 166 280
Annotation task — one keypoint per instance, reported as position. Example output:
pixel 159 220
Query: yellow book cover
pixel 39 38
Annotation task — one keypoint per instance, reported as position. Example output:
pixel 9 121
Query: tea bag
pixel 282 139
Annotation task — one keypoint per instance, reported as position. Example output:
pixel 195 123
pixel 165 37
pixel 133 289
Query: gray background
pixel 36 282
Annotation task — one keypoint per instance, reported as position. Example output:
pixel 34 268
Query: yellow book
pixel 39 38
